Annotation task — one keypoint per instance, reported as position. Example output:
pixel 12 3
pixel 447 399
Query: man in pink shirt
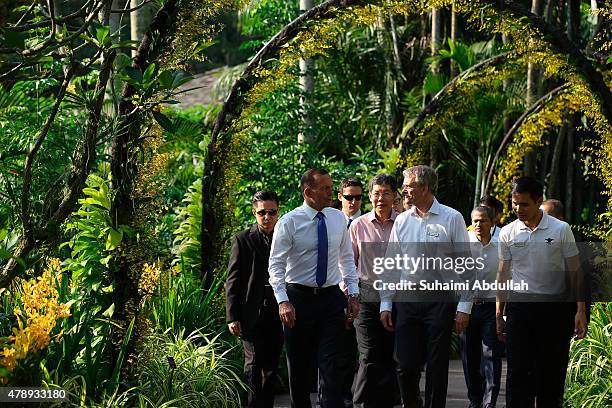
pixel 376 383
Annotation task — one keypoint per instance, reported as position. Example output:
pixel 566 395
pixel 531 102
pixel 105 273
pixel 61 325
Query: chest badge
pixel 549 241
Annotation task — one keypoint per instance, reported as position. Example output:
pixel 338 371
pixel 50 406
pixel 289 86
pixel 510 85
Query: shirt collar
pixel 353 217
pixel 542 225
pixel 371 216
pixel 492 242
pixel 435 208
pixel 311 212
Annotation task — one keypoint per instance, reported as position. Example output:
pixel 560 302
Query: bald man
pixel 554 208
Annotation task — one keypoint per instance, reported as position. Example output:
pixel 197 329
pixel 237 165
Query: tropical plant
pixel 182 306
pixel 191 369
pixel 590 365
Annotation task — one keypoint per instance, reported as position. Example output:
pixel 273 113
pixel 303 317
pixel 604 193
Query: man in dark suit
pixel 251 309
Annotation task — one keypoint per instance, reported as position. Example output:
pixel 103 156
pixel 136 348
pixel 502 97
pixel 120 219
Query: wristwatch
pixel 354 295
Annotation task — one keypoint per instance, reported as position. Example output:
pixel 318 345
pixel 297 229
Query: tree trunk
pixel 454 30
pixel 307 87
pixel 436 34
pixel 478 182
pixel 554 180
pixel 529 162
pixel 573 27
pixel 139 21
pixel 126 265
pixel 569 171
pixel 120 22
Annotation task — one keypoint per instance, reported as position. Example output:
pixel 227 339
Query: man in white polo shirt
pixel 537 249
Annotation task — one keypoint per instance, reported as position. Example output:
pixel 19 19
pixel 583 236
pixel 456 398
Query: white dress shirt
pixel 495 232
pixel 538 256
pixel 293 256
pixel 352 217
pixel 490 254
pixel 440 224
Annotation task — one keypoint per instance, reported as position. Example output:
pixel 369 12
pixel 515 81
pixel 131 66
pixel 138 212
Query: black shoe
pixel 474 405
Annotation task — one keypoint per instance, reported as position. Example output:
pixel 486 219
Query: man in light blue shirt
pixel 427 322
pixel 311 254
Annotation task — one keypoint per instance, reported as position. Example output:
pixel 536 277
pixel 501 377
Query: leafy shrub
pixel 203 376
pixel 186 244
pixel 590 367
pixel 182 306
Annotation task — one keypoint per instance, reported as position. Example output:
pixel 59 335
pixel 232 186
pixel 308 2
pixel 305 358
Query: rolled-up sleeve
pixel 346 264
pixel 281 243
pixel 386 296
pixel 461 241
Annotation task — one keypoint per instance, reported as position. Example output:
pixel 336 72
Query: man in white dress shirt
pixel 311 254
pixel 350 197
pixel 424 324
pixel 481 351
pixel 498 212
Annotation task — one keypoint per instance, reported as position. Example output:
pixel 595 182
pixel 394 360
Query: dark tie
pixel 321 250
pixel 349 223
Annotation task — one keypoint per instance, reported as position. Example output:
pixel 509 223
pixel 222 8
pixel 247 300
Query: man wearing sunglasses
pixel 251 310
pixel 349 195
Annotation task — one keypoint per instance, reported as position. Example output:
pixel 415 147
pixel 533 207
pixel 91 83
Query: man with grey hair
pixel 481 351
pixel 427 323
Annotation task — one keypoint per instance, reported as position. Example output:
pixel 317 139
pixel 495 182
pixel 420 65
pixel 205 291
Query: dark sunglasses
pixel 349 197
pixel 272 212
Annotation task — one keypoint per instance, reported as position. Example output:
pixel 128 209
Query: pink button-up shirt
pixel 366 229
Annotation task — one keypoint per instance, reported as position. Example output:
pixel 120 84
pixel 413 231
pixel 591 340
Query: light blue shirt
pixel 293 256
pixel 440 224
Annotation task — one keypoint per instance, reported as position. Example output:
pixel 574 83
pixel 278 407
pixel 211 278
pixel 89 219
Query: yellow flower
pixel 36 317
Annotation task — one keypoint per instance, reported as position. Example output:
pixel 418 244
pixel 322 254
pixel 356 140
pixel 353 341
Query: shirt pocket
pixel 436 233
pixel 334 238
pixel 519 247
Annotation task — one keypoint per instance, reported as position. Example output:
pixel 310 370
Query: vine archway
pixel 529 33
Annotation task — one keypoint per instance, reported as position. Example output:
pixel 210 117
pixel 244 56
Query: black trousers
pixel 422 325
pixel 376 381
pixel 348 361
pixel 262 350
pixel 481 354
pixel 318 329
pixel 538 340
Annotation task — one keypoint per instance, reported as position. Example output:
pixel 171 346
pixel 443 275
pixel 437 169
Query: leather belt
pixel 313 290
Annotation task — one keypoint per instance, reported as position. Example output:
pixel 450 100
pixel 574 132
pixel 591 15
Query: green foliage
pixel 276 162
pixel 589 380
pixel 261 19
pixel 182 306
pixel 203 376
pixel 84 348
pixel 186 244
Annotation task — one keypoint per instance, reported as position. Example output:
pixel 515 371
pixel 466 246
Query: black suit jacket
pixel 246 277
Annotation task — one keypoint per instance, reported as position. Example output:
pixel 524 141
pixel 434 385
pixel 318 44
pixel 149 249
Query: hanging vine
pixel 316 31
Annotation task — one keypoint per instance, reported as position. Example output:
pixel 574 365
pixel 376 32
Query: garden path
pixel 204 83
pixel 456 396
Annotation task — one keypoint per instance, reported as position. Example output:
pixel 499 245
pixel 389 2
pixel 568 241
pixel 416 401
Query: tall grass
pixel 204 376
pixel 181 305
pixel 590 367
